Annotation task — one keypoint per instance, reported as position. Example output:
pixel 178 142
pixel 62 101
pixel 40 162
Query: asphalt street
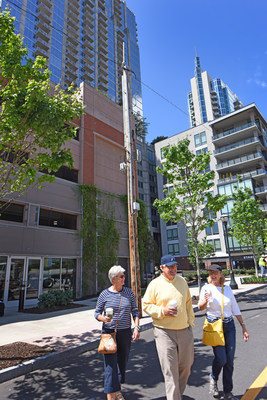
pixel 82 377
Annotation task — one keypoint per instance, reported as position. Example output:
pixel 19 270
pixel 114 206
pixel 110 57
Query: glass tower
pixel 82 40
pixel 209 98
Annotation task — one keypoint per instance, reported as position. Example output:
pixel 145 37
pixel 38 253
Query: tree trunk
pixel 198 267
pixel 256 265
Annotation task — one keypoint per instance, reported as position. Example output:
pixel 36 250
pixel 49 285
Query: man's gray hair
pixel 114 271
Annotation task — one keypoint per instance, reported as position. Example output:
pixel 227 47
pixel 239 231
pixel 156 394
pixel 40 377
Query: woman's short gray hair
pixel 114 271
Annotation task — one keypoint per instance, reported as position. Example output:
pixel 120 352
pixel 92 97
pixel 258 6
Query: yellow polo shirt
pixel 158 294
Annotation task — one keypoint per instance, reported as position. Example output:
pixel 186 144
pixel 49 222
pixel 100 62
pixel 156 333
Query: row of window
pixel 15 213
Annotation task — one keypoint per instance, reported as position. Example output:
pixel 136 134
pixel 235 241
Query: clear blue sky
pixel 231 40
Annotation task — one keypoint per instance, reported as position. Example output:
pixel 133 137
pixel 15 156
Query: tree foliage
pixel 191 200
pixel 34 116
pixel 204 250
pixel 141 125
pixel 159 139
pixel 248 222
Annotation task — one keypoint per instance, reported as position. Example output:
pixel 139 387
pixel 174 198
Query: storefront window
pixel 3 264
pixel 51 276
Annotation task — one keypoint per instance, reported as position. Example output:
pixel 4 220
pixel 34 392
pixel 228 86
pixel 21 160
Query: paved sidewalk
pixel 68 332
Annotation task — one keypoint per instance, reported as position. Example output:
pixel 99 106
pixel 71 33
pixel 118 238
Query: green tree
pixel 204 250
pixel 159 139
pixel 191 200
pixel 34 117
pixel 141 125
pixel 248 222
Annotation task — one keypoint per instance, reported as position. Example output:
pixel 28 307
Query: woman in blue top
pixel 115 364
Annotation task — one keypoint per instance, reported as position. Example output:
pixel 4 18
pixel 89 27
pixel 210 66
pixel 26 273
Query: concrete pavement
pixel 67 332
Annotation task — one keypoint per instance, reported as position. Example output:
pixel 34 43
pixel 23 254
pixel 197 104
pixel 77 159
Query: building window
pixel 152 189
pixel 172 234
pixel 173 249
pixel 162 151
pixel 141 196
pixel 139 172
pixel 151 178
pixel 151 167
pixel 171 223
pixel 200 139
pixel 154 224
pixel 11 212
pixel 150 155
pixel 215 243
pixel 140 185
pixel 214 230
pixel 57 219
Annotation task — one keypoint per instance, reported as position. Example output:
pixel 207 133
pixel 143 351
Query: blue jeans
pixel 262 270
pixel 224 357
pixel 115 364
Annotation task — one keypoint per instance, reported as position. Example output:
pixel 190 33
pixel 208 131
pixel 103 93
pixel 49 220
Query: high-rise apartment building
pixel 209 98
pixel 237 143
pixel 82 41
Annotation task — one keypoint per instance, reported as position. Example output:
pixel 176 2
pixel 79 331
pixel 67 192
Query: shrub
pixel 254 279
pixel 55 298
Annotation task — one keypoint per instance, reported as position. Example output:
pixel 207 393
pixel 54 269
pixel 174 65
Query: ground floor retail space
pixel 26 278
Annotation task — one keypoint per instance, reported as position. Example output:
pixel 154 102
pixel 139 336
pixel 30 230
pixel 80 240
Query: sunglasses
pixel 121 276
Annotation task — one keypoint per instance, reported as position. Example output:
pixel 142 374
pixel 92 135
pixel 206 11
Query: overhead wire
pixel 109 59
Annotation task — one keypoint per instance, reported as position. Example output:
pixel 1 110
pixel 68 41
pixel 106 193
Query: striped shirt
pixel 109 299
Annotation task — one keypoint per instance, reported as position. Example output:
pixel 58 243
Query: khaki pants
pixel 176 355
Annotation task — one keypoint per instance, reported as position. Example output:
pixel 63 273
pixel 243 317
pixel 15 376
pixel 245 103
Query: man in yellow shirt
pixel 172 326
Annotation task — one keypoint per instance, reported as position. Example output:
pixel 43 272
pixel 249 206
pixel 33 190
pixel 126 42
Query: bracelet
pixel 138 328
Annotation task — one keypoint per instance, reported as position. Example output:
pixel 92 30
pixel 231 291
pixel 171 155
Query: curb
pixel 63 355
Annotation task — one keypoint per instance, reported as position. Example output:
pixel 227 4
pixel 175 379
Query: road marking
pixel 256 386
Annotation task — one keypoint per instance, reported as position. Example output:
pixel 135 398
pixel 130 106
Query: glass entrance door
pixel 15 278
pixel 33 278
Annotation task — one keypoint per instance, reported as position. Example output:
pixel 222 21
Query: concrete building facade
pixel 237 143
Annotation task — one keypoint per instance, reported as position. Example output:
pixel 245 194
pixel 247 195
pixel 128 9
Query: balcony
pixel 71 47
pixel 43 25
pixel 239 129
pixel 255 174
pixel 72 56
pixel 237 165
pixel 87 78
pixel 44 8
pixel 70 73
pixel 232 150
pixel 263 207
pixel 261 190
pixel 42 44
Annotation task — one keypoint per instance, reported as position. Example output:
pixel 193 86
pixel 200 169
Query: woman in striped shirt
pixel 115 364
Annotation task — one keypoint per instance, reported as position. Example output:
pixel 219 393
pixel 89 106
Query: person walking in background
pixel 122 299
pixel 211 299
pixel 168 301
pixel 262 265
pixel 157 272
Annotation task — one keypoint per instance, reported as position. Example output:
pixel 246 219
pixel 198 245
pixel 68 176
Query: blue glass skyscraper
pixel 82 41
pixel 209 98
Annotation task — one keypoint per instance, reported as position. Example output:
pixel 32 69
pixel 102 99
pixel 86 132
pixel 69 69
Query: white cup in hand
pixel 173 303
pixel 109 313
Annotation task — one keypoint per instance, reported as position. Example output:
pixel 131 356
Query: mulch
pixel 19 352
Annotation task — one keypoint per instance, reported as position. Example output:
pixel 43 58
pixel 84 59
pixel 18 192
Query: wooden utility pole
pixel 131 194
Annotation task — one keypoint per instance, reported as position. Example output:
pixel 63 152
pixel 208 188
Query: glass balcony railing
pixel 261 189
pixel 237 129
pixel 239 160
pixel 236 145
pixel 251 174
